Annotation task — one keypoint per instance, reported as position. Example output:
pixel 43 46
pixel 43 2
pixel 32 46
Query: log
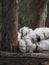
pixel 28 55
pixel 8 58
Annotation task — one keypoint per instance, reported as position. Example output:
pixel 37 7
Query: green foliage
pixel 0 1
pixel 25 14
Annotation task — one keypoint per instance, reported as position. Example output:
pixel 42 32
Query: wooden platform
pixel 7 58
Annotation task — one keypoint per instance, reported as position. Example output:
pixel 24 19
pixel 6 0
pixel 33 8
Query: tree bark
pixel 47 21
pixel 40 13
pixel 0 23
pixel 9 25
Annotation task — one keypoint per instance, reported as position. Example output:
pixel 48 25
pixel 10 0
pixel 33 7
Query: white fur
pixel 29 39
pixel 26 46
pixel 30 47
pixel 39 32
pixel 22 46
pixel 19 36
pixel 31 36
pixel 46 32
pixel 24 30
pixel 42 32
pixel 43 45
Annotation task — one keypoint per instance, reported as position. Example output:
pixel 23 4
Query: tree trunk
pixel 47 22
pixel 40 13
pixel 0 22
pixel 9 25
